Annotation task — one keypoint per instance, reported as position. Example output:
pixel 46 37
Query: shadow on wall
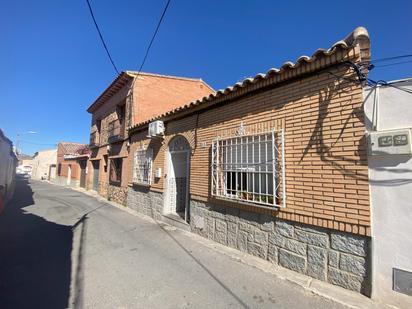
pixel 325 150
pixel 388 173
pixel 35 256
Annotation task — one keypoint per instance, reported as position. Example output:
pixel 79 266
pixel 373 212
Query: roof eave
pixel 121 80
pixel 357 38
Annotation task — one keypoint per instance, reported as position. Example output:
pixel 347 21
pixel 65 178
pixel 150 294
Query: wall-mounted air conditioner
pixel 156 129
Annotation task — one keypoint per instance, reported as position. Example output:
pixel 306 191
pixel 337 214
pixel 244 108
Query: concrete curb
pixel 323 289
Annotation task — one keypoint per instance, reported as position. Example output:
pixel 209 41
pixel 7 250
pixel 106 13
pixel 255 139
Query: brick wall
pixel 325 151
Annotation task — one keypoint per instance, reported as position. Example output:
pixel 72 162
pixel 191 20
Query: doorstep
pixel 175 220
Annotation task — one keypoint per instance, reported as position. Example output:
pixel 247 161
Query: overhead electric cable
pixel 153 37
pixel 391 64
pixel 101 37
pixel 391 58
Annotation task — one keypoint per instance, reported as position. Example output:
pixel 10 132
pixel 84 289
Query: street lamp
pixel 18 136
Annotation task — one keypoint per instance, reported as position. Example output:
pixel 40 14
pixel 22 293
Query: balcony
pixel 94 140
pixel 115 131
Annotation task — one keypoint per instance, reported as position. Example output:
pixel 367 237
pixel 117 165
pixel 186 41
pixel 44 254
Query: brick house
pixel 130 99
pixel 274 166
pixel 72 161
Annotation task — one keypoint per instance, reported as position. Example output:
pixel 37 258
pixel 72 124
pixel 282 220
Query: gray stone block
pixel 316 271
pixel 220 237
pixel 333 258
pixel 292 261
pixel 312 238
pixel 232 227
pixel 221 226
pixel 217 215
pixel 260 237
pixel 353 264
pixel 242 241
pixel 317 258
pixel 277 239
pixel 244 226
pixel 256 250
pixel 284 228
pixel 345 280
pixel 316 255
pixel 232 240
pixel 198 222
pixel 295 246
pixel 349 243
pixel 273 254
pixel 266 223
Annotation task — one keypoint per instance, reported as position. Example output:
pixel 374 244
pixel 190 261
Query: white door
pixel 69 174
pixel 177 180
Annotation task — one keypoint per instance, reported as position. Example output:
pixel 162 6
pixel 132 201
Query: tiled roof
pixel 359 36
pixel 73 148
pixel 126 76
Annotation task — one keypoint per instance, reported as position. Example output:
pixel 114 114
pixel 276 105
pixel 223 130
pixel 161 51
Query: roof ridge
pixel 192 79
pixel 359 36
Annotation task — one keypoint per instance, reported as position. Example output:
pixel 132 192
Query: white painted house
pixel 44 164
pixel 388 110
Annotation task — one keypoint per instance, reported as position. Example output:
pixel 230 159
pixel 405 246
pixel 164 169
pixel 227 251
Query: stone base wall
pixel 338 258
pixel 144 201
pixel 103 189
pixel 117 194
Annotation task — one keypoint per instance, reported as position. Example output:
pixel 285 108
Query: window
pixel 59 169
pixel 142 166
pixel 115 176
pixel 121 112
pixel 247 168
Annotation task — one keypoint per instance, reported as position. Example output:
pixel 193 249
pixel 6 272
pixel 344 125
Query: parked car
pixel 24 171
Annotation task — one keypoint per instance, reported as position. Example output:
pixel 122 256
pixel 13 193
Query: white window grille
pixel 142 166
pixel 250 168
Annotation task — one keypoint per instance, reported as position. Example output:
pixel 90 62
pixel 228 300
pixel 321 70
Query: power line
pixel 153 38
pixel 391 64
pixel 391 58
pixel 101 37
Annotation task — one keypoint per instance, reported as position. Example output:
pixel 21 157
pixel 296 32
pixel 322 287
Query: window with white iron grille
pixel 250 168
pixel 142 166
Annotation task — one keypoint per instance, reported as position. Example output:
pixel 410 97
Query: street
pixel 62 248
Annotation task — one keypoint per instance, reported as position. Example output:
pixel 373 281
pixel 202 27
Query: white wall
pixel 41 163
pixel 391 194
pixel 7 167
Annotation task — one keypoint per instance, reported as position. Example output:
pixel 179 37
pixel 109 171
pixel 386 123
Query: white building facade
pixel 388 110
pixel 44 164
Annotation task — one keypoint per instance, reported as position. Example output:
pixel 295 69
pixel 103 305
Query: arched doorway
pixel 177 180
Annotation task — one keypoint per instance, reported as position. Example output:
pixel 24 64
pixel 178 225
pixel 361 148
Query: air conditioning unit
pixel 156 128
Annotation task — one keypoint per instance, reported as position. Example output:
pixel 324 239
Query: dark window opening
pixel 115 176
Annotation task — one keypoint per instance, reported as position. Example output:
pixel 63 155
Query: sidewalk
pixel 334 293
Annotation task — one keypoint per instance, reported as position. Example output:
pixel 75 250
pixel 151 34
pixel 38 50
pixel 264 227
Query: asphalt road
pixel 61 248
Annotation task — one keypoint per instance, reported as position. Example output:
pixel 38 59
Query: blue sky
pixel 53 66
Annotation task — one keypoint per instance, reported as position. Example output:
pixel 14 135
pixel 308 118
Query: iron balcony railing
pixel 94 140
pixel 115 131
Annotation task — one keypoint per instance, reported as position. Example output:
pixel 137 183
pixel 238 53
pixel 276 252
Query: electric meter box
pixel 394 142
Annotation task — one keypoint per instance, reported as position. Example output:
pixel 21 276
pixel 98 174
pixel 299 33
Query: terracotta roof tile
pixel 358 36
